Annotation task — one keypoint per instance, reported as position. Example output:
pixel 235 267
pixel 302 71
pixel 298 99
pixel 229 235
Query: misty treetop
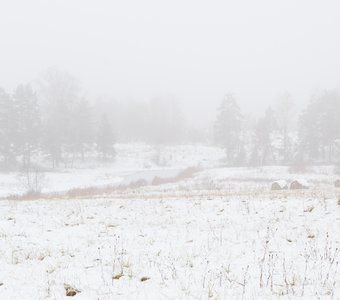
pixel 228 127
pixel 272 139
pixel 56 123
pixel 319 128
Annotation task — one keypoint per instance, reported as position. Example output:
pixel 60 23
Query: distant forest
pixel 57 123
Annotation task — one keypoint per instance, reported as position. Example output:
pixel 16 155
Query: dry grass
pixel 127 192
pixel 185 174
pixel 27 196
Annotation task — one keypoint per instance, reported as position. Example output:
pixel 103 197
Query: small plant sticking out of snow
pixel 70 291
pixel 309 209
pixel 144 278
pixel 118 276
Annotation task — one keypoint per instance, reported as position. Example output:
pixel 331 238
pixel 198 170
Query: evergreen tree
pixel 59 92
pixel 319 129
pixel 263 131
pixel 309 133
pixel 8 128
pixel 285 121
pixel 28 122
pixel 228 128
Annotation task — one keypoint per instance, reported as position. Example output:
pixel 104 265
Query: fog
pixel 179 149
pixel 192 51
pixel 258 79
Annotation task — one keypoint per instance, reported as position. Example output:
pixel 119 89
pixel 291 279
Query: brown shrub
pixel 30 195
pixel 184 174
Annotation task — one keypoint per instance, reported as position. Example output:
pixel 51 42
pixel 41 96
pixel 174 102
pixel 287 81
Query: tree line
pixel 275 138
pixel 56 123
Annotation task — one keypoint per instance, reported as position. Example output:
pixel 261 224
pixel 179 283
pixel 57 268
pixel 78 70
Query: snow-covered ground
pixel 136 162
pixel 207 232
pixel 133 162
pixel 266 246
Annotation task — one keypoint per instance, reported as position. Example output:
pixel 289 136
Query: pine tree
pixel 59 92
pixel 263 132
pixel 285 121
pixel 319 129
pixel 7 128
pixel 28 122
pixel 228 128
pixel 309 133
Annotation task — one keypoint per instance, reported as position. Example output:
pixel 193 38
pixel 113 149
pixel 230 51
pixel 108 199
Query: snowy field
pixel 279 245
pixel 194 230
pixel 135 162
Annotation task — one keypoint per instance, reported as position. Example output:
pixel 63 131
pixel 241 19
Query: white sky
pixel 194 50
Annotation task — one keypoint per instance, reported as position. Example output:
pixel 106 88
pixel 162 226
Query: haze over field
pixel 192 51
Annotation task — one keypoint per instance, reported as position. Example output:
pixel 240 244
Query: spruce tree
pixel 8 128
pixel 228 128
pixel 28 122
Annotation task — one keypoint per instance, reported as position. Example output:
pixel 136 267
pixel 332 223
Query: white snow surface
pixel 133 162
pixel 191 247
pixel 215 233
pixel 136 162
